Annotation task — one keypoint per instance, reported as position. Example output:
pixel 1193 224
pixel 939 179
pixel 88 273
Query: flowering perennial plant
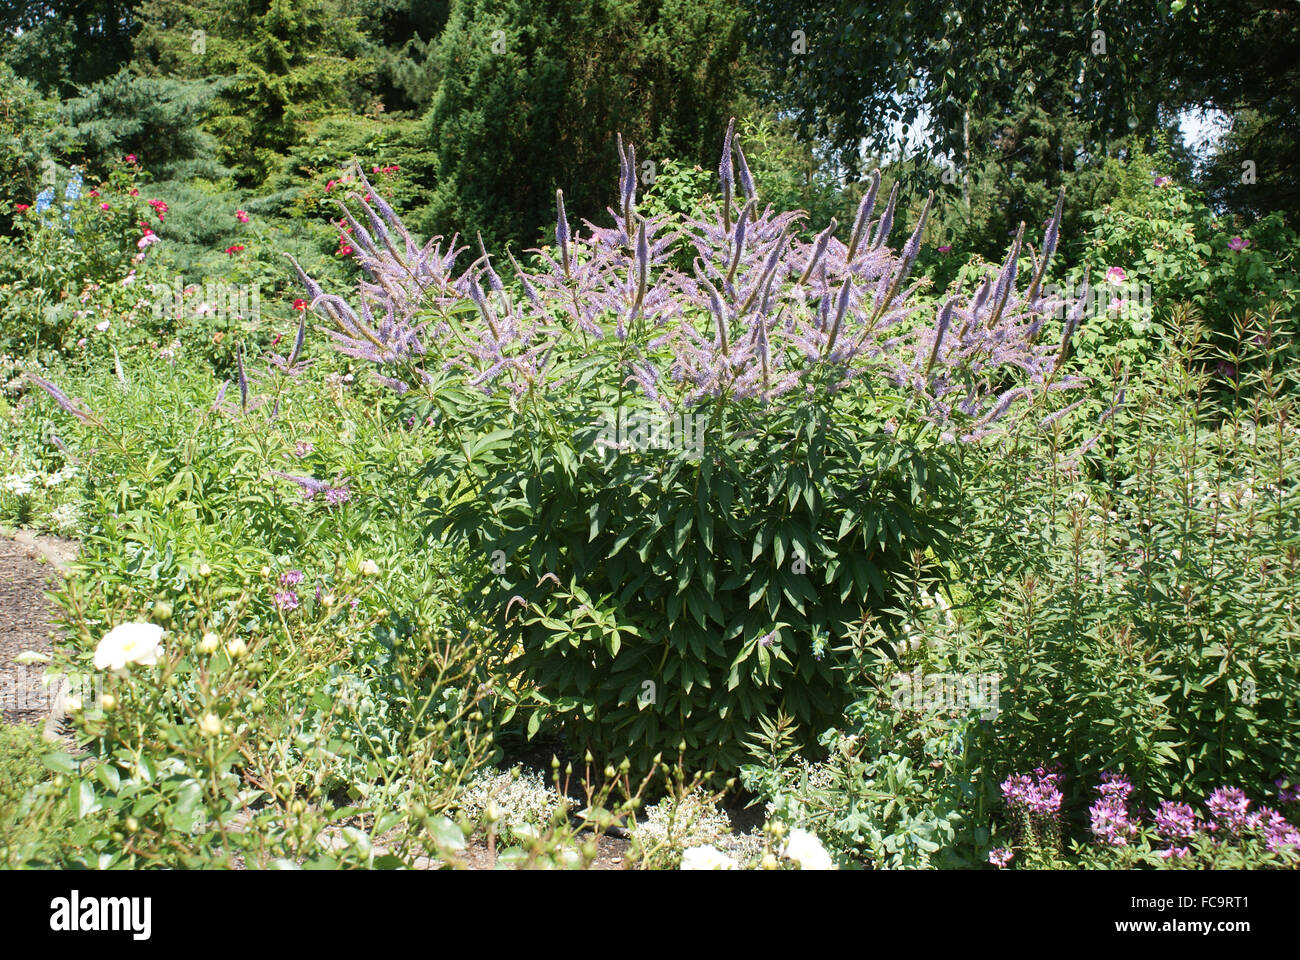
pixel 829 396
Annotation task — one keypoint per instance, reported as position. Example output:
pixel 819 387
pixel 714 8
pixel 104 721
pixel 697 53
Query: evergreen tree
pixel 155 118
pixel 58 44
pixel 288 62
pixel 532 95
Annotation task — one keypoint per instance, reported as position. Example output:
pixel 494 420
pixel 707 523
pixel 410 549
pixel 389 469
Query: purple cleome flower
pixel 1288 790
pixel 1175 821
pixel 291 578
pixel 1278 833
pixel 1038 794
pixel 1110 818
pixel 286 600
pixel 1000 857
pixel 1228 805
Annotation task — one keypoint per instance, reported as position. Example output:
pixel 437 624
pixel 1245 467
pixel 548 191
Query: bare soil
pixel 28 568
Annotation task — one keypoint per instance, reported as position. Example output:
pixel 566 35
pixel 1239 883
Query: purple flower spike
pixel 307 485
pixel 886 220
pixel 65 403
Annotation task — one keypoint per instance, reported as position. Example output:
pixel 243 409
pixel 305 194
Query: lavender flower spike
pixel 945 319
pixel 819 248
pixel 298 341
pixel 726 174
pixel 62 399
pixel 886 219
pixel 308 485
pixel 719 311
pixel 243 380
pixel 629 189
pixel 1049 246
pixel 1006 278
pixel 642 266
pixel 864 213
pixel 738 243
pixel 841 307
pixel 1071 324
pixel 562 235
pixel 746 178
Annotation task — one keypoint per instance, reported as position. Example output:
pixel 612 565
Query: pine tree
pixel 288 62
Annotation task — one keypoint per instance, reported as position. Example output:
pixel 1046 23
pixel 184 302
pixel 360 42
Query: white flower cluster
pixel 801 848
pixel 64 518
pixel 674 827
pixel 20 484
pixel 61 476
pixel 523 801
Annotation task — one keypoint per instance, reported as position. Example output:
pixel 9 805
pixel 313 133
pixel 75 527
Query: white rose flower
pixel 370 568
pixel 236 648
pixel 209 643
pixel 707 858
pixel 210 725
pixel 807 851
pixel 129 643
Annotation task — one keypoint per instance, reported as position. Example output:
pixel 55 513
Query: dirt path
pixel 25 621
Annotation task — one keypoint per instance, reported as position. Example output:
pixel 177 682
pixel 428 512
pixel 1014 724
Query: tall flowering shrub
pixel 683 489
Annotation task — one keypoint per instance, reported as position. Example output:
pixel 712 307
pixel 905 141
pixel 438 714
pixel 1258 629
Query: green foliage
pixel 61 43
pixel 154 118
pixel 76 252
pixel 356 691
pixel 286 63
pixel 1138 605
pixel 530 97
pixel 717 574
pixel 29 130
pixel 888 796
pixel 1163 236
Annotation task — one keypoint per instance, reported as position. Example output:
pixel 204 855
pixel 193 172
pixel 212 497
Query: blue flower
pixel 73 190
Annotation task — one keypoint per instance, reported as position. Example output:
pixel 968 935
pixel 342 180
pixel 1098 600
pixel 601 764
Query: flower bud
pixel 209 643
